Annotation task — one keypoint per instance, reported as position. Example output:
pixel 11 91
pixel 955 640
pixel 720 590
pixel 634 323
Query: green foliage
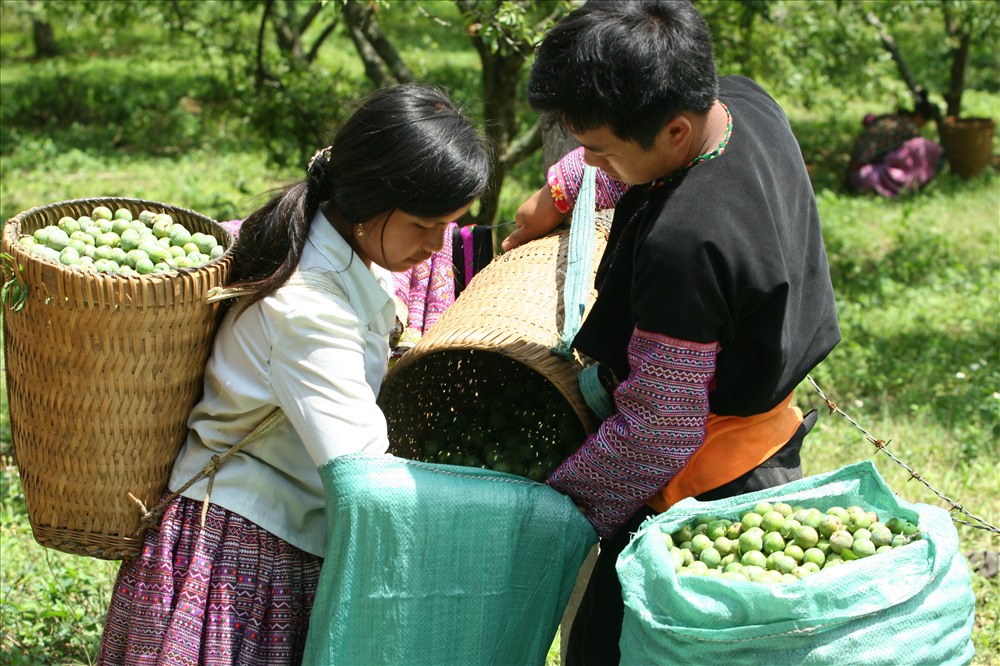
pixel 150 106
pixel 778 41
pixel 814 52
pixel 914 294
pixel 293 119
pixel 916 278
pixel 986 636
pixel 511 27
pixel 52 605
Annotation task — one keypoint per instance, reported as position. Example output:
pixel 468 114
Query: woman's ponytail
pixel 407 147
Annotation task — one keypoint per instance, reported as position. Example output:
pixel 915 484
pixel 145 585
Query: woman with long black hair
pixel 229 578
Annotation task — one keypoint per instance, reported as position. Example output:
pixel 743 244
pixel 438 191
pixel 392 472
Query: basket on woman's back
pixel 102 371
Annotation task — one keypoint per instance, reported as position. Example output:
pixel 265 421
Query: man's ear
pixel 678 130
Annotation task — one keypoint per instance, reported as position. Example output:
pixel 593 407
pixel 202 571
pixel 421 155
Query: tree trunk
pixel 501 84
pixel 556 141
pixel 383 65
pixel 956 82
pixel 45 39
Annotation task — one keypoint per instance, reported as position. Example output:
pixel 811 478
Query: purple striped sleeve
pixel 659 422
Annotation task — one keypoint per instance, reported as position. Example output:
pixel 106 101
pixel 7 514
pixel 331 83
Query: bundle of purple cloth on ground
pixel 909 167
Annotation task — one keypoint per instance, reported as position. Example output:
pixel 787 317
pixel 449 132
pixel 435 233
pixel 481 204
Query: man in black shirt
pixel 714 295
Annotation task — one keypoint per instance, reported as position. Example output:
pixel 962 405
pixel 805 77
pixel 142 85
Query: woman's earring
pixel 360 230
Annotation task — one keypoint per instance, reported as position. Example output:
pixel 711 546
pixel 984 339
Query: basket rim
pixel 526 348
pixel 131 200
pixel 12 227
pixel 972 121
pixel 562 380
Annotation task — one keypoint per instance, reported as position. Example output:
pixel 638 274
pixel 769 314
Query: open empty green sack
pixel 438 564
pixel 912 605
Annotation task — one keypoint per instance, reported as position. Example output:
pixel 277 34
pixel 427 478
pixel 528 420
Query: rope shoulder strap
pixel 576 289
pixel 151 516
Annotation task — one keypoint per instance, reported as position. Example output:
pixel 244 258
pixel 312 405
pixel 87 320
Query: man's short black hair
pixel 630 65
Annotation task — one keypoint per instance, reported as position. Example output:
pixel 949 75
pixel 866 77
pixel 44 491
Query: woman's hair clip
pixel 322 152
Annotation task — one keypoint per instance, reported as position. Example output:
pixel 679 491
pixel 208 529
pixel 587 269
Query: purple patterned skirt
pixel 231 593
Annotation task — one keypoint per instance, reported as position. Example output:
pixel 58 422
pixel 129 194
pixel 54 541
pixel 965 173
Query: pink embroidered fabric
pixel 566 175
pixel 660 414
pixel 232 226
pixel 427 289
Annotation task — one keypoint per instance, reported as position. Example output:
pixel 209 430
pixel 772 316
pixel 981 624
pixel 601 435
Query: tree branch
pixel 355 16
pixel 310 16
pixel 522 147
pixel 386 50
pixel 288 40
pixel 262 73
pixel 175 5
pixel 327 31
pixel 889 44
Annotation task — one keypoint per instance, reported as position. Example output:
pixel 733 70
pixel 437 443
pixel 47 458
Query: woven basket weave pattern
pixel 969 142
pixel 102 372
pixel 500 330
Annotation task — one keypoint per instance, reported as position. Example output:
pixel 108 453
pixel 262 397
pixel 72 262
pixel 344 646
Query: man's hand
pixel 536 217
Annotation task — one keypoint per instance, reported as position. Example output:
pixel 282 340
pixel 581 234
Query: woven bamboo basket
pixel 102 371
pixel 498 334
pixel 969 142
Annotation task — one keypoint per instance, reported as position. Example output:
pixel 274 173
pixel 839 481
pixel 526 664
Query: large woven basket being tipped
pixel 498 334
pixel 102 372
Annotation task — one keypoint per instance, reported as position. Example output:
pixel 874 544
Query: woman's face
pixel 401 240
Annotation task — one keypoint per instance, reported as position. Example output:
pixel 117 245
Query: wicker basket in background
pixel 969 144
pixel 102 371
pixel 499 332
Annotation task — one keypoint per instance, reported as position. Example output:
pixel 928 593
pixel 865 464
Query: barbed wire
pixel 883 446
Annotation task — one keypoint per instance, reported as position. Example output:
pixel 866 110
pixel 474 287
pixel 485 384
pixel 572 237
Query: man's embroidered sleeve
pixel 659 422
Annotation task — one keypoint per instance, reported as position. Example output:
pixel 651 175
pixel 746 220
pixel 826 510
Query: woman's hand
pixel 536 217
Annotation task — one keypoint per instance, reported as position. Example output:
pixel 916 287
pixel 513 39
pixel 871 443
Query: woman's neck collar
pixel 344 228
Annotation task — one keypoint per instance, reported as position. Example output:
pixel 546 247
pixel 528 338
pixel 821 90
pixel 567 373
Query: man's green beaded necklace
pixel 721 148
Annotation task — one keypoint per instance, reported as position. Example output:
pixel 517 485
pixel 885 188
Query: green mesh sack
pixel 439 564
pixel 911 605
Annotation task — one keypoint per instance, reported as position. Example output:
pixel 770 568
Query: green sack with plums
pixel 830 569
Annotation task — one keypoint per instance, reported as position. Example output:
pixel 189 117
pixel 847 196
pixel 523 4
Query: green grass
pixel 917 285
pixel 221 185
pixel 52 604
pixel 917 282
pixel 919 367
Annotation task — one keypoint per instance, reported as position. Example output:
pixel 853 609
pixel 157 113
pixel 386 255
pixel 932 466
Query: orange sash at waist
pixel 733 446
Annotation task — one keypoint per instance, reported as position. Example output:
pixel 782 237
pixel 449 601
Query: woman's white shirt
pixel 317 348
